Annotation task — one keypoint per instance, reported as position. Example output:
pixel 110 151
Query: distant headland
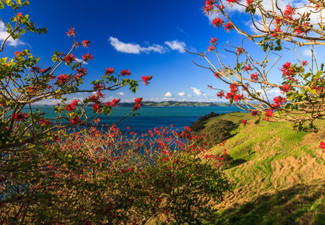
pixel 171 104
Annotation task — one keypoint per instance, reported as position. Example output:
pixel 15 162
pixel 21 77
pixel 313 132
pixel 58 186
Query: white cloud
pixel 168 94
pixel 120 93
pixel 132 48
pixel 176 45
pixel 181 94
pixel 81 61
pixel 196 91
pixel 10 41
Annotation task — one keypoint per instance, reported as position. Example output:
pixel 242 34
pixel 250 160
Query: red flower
pixel 254 76
pixel 289 12
pixel 45 122
pixel 69 58
pixel 46 70
pixel 254 113
pixel 109 71
pixel 208 6
pixel 71 32
pixel 138 104
pixel 217 22
pixel 75 120
pixel 125 72
pixel 19 16
pixel 87 57
pixel 231 2
pixel 244 122
pixel 269 113
pixel 20 116
pixel 113 103
pixel 277 30
pixel 246 68
pixel 248 2
pixel 82 71
pixel 229 26
pixel 211 48
pixel 238 97
pixel 146 79
pixel 322 145
pixel 278 101
pixel 285 88
pixel 220 94
pixel 62 79
pixel 213 41
pixel 86 43
pixel 240 50
pixel 72 106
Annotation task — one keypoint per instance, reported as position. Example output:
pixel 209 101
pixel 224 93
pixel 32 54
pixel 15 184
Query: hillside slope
pixel 278 174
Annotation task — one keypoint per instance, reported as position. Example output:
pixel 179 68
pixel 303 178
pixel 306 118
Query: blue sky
pixel 148 37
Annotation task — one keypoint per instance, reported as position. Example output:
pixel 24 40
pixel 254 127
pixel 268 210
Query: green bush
pixel 218 132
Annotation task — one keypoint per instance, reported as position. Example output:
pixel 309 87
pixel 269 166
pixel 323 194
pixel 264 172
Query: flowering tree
pixel 249 79
pixel 55 170
pixel 26 132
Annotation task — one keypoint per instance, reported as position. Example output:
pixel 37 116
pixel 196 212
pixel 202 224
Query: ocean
pixel 151 117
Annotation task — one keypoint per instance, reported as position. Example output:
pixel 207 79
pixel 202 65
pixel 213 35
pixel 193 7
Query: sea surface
pixel 151 117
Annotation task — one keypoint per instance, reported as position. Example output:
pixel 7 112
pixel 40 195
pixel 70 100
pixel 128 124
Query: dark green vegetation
pixel 278 173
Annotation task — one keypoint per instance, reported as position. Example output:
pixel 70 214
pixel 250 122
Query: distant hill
pixel 175 103
pixel 167 104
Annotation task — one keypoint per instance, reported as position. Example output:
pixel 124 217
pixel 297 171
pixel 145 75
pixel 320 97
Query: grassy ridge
pixel 278 173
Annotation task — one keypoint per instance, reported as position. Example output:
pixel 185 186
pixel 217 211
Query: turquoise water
pixel 151 117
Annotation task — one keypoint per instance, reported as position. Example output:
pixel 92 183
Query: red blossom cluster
pixel 75 120
pixel 86 43
pixel 254 113
pixel 213 41
pixel 220 94
pixel 254 76
pixel 109 71
pixel 217 22
pixel 247 68
pixel 289 12
pixel 72 106
pixel 278 101
pixel 113 103
pixel 276 32
pixel 138 104
pixel 20 117
pixel 46 122
pixel 69 58
pixel 146 79
pixel 208 8
pixel 87 57
pixel 71 32
pixel 240 50
pixel 63 79
pixel 125 72
pixel 229 26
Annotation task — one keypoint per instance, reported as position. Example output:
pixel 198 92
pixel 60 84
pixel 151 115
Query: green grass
pixel 279 177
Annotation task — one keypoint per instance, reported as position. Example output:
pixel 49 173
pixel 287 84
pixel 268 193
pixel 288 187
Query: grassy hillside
pixel 278 174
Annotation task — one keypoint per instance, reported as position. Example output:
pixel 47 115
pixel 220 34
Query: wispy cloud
pixel 176 45
pixel 81 61
pixel 168 94
pixel 133 48
pixel 181 94
pixel 10 41
pixel 196 91
pixel 120 93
